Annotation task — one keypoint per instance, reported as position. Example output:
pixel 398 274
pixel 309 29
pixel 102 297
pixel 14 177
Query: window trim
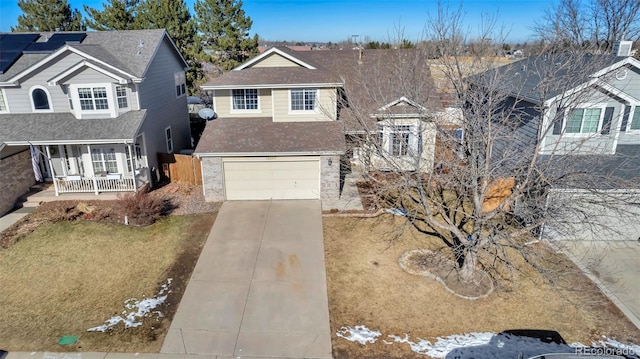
pixel 180 84
pixel 635 110
pixel 102 151
pixel 396 131
pixel 126 97
pixel 168 137
pixel 303 111
pixel 232 110
pixel 385 135
pixel 33 107
pixel 3 101
pixel 584 106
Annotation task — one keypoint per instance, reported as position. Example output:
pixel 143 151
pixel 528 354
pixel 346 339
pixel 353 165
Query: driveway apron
pixel 259 287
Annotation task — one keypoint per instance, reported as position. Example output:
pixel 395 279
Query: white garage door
pixel 272 178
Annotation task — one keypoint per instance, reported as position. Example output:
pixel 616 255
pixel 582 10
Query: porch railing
pixel 95 184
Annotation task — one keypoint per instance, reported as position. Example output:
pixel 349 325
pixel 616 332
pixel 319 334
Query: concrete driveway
pixel 614 266
pixel 259 287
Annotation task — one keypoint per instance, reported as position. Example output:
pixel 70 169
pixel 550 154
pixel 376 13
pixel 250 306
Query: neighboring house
pixel 285 120
pixel 583 119
pixel 88 110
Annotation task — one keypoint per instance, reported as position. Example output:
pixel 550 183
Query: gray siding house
pixel 88 111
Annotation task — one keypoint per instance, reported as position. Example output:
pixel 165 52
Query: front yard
pixel 69 276
pixel 367 287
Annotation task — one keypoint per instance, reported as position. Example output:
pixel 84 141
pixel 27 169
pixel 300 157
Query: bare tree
pixel 595 23
pixel 505 164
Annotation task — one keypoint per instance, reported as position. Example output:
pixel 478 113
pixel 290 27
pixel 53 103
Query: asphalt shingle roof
pixel 129 50
pixel 262 135
pixel 35 127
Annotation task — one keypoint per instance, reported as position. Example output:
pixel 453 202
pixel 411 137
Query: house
pixel 88 110
pixel 287 120
pixel 580 115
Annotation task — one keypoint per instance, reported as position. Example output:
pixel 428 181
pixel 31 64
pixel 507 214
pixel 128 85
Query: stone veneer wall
pixel 16 176
pixel 212 179
pixel 329 178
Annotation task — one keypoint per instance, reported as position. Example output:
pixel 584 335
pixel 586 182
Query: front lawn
pixel 69 276
pixel 367 287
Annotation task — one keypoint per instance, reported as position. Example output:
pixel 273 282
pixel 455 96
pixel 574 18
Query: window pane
pixel 100 95
pixel 591 120
pixel 121 94
pixel 635 122
pixel 238 99
pixel 574 122
pixel 86 102
pixel 310 100
pixel 297 100
pixel 40 100
pixel 252 99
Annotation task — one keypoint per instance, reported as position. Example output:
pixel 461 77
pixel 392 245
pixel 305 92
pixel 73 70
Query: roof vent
pixel 622 48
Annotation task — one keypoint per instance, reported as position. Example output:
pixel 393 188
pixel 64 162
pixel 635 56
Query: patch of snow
pixel 444 345
pixel 359 333
pixel 397 211
pixel 135 310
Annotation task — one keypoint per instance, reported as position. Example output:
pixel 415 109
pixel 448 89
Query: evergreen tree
pixel 225 27
pixel 116 15
pixel 48 15
pixel 174 16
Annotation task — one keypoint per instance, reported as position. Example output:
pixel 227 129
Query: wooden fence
pixel 183 169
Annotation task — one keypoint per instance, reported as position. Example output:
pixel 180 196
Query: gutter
pixel 266 154
pixel 68 142
pixel 272 86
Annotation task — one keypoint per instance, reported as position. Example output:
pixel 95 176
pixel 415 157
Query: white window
pixel 181 83
pixel 104 160
pixel 69 98
pixel 169 138
pixel 93 98
pixel 245 99
pixel 40 99
pixel 303 99
pixel 400 136
pixel 583 120
pixel 3 104
pixel 635 120
pixel 121 97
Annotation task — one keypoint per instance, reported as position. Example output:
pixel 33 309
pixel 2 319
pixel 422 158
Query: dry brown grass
pixel 69 276
pixel 366 286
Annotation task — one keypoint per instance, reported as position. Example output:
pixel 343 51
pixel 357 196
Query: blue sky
pixel 337 20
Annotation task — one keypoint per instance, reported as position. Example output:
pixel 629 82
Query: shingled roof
pixel 53 127
pixel 263 136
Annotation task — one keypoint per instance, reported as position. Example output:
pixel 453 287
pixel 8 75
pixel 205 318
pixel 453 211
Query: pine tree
pixel 116 15
pixel 48 15
pixel 225 27
pixel 174 16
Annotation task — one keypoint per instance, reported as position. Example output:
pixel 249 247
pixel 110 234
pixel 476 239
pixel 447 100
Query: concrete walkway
pixel 614 267
pixel 259 287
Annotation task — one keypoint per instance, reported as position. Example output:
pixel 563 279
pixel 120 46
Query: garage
pixel 263 178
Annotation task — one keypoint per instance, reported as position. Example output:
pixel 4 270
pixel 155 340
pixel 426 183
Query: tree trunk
pixel 469 266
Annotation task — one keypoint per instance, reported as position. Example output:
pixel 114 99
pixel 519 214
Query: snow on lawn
pixel 136 309
pixel 444 345
pixel 359 333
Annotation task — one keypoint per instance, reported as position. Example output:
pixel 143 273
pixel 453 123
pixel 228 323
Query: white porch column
pixel 133 167
pixel 95 181
pixel 53 174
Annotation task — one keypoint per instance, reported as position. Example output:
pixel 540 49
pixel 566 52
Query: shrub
pixel 142 208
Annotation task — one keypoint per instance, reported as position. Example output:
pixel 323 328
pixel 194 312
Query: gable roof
pixel 282 51
pixel 127 51
pixel 542 78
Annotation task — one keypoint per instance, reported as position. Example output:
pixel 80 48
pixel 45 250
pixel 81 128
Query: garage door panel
pixel 272 179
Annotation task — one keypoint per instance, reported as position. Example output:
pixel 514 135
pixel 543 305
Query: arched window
pixel 40 99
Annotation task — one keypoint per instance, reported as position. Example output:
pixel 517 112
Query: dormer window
pixel 40 100
pixel 121 97
pixel 93 98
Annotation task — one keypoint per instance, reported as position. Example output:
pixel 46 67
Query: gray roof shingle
pixel 52 127
pixel 129 50
pixel 262 135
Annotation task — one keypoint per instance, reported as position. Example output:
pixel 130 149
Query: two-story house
pixel 580 116
pixel 88 111
pixel 285 119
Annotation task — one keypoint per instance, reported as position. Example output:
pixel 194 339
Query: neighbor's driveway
pixel 615 267
pixel 259 287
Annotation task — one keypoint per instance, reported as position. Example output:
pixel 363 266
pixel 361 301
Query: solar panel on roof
pixel 73 37
pixel 7 55
pixel 11 46
pixel 43 47
pixel 12 39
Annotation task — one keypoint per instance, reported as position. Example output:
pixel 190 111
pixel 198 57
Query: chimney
pixel 622 48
